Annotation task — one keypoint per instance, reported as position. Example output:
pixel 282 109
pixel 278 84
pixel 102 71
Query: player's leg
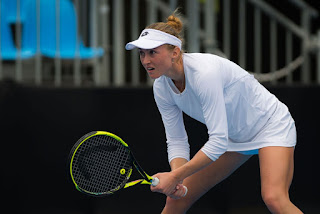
pixel 199 183
pixel 276 169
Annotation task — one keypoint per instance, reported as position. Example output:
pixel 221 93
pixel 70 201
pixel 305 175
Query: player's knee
pixel 274 200
pixel 175 206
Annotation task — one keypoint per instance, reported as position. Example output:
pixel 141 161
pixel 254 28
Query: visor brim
pixel 144 44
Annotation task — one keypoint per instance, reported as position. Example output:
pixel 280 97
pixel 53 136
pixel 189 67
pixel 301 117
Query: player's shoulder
pixel 159 82
pixel 201 66
pixel 160 85
pixel 202 62
pixel 195 58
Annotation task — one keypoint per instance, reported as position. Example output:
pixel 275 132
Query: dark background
pixel 39 126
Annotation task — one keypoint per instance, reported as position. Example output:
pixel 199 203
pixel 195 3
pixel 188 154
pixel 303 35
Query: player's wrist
pixel 178 174
pixel 177 162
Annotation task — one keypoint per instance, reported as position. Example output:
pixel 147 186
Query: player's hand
pixel 180 192
pixel 169 185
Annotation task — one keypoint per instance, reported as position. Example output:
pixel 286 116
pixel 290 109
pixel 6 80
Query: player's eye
pixel 141 53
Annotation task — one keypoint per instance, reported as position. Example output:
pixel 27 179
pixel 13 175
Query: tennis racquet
pixel 101 163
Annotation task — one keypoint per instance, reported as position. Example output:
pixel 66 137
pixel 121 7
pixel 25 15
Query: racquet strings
pixel 101 165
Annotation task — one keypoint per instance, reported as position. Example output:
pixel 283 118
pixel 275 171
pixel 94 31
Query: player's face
pixel 157 61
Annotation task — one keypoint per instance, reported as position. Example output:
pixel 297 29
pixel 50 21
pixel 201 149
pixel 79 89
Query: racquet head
pixel 100 163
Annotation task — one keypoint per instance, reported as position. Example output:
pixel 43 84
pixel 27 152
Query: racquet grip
pixel 155 181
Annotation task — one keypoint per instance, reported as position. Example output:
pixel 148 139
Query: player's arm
pixel 170 180
pixel 177 162
pixel 180 190
pixel 198 162
pixel 214 111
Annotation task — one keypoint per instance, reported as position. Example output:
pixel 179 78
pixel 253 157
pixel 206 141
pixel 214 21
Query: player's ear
pixel 176 52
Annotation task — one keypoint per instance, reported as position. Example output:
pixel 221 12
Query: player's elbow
pixel 178 149
pixel 215 147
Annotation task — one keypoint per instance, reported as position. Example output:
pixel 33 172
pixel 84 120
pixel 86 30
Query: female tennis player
pixel 242 118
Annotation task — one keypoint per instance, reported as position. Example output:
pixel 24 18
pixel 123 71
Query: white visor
pixel 150 38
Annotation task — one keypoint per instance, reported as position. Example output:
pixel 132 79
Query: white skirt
pixel 280 130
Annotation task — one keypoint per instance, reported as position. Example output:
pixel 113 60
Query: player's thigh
pixel 276 168
pixel 202 181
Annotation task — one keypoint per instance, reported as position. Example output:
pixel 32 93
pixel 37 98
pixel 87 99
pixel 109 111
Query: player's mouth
pixel 150 69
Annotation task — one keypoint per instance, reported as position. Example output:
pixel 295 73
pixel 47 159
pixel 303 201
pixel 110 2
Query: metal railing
pixel 302 31
pixel 253 33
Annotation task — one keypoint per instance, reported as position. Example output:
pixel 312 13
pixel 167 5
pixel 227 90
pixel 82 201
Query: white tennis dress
pixel 240 114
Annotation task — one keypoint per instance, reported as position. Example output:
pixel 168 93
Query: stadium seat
pixel 11 10
pixel 8 48
pixel 69 41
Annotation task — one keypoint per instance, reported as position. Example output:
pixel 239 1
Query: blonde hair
pixel 173 26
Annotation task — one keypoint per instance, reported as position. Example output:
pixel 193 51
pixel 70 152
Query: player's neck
pixel 180 80
pixel 179 77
